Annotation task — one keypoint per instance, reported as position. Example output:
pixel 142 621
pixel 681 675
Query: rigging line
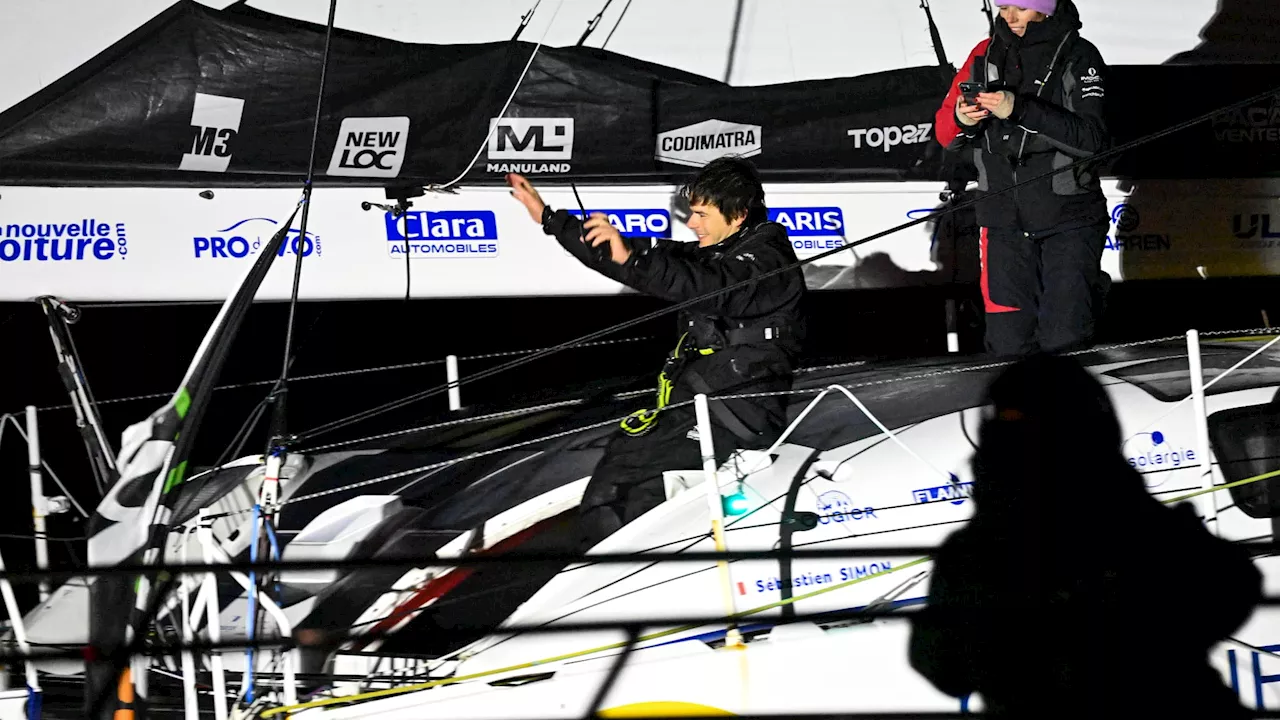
pixel 733 42
pixel 621 15
pixel 933 216
pixel 593 23
pixel 44 464
pixel 279 393
pixel 1207 385
pixel 493 126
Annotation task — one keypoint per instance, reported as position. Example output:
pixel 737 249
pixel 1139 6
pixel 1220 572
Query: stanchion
pixel 1202 425
pixel 451 376
pixel 39 505
pixel 732 638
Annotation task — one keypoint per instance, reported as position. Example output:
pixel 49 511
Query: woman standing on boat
pixel 1033 101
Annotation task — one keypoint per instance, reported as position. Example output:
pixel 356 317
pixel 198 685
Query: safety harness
pixel 642 422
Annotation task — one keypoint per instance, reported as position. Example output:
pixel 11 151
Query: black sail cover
pixel 208 97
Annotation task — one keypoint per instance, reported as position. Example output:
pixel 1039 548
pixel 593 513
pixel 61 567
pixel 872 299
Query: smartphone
pixel 970 89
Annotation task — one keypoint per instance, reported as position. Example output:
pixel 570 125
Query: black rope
pixel 938 48
pixel 396 404
pixel 733 42
pixel 593 23
pixel 621 15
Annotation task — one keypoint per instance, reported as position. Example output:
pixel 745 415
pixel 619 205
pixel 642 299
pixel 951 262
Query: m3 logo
pixel 215 123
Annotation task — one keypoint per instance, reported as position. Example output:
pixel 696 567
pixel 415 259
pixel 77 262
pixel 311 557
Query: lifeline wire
pixel 328 427
pixel 567 433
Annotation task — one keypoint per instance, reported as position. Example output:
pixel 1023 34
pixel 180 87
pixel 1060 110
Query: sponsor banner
pixel 243 238
pixel 636 223
pixel 370 147
pixel 443 234
pixel 1185 229
pixel 700 143
pixel 530 146
pixel 215 122
pixel 122 244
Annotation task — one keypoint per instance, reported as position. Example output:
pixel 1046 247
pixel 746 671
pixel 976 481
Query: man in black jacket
pixel 742 341
pixel 1041 244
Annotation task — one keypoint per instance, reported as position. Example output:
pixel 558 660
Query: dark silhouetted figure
pixel 1072 592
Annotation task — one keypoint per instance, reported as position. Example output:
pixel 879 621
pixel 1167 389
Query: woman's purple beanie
pixel 1045 6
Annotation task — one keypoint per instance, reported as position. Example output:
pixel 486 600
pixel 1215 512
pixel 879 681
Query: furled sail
pixel 131 522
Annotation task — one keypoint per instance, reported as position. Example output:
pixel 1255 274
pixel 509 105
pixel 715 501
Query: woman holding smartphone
pixel 1029 100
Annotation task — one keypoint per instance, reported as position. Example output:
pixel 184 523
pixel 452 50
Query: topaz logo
pixel 215 123
pixel 888 138
pixel 87 239
pixel 954 494
pixel 835 506
pixel 1153 452
pixel 246 237
pixel 370 147
pixel 700 143
pixel 442 234
pixel 655 223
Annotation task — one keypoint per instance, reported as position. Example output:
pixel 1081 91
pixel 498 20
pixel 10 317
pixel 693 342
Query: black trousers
pixel 627 482
pixel 1044 293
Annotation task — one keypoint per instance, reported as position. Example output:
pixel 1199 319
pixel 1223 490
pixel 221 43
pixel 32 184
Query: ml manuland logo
pixel 433 234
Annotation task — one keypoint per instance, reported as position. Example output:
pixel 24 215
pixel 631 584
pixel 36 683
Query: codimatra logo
pixel 370 147
pixel 1254 124
pixel 654 223
pixel 215 122
pixel 699 144
pixel 887 138
pixel 87 239
pixel 811 229
pixel 532 141
pixel 1152 452
pixel 443 234
pixel 1127 221
pixel 954 494
pixel 246 237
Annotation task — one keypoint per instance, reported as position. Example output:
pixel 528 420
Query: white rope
pixel 494 125
pixel 1207 385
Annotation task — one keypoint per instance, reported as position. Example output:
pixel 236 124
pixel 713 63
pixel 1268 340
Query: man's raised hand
pixel 523 191
pixel 600 230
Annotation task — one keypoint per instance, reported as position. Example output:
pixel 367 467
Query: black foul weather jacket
pixel 1059 80
pixel 743 341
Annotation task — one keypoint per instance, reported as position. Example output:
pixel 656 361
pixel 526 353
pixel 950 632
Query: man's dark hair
pixel 732 185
